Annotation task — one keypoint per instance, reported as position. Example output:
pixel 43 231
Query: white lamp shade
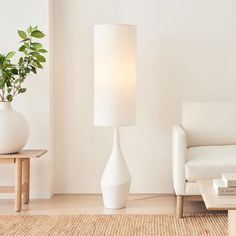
pixel 114 75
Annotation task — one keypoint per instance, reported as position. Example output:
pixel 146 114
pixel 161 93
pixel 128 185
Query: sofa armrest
pixel 179 148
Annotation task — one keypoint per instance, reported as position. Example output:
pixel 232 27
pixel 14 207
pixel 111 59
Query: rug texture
pixel 108 225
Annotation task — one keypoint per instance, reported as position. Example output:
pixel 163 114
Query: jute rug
pixel 108 225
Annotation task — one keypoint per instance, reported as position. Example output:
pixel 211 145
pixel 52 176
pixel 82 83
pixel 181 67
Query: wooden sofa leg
pixel 179 206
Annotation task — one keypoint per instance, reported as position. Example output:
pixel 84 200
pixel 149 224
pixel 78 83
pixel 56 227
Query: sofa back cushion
pixel 209 123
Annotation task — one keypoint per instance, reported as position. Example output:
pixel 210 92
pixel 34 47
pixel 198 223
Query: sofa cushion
pixel 207 162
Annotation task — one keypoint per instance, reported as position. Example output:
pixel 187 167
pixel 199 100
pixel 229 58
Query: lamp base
pixel 116 178
pixel 115 197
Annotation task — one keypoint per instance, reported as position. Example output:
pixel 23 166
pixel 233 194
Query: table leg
pixel 26 180
pixel 231 222
pixel 18 184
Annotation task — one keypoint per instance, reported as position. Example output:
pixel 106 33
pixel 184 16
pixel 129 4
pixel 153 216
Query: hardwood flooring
pixel 63 204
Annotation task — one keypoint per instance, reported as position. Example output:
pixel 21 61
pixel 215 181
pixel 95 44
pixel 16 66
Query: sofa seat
pixel 207 162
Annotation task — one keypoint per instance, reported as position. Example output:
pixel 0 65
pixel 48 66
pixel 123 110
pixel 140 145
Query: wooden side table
pixel 22 170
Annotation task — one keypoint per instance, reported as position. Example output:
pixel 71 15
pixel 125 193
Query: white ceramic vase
pixel 14 129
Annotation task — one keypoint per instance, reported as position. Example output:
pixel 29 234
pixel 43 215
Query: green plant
pixel 12 76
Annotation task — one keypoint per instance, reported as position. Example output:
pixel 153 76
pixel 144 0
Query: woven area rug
pixel 108 225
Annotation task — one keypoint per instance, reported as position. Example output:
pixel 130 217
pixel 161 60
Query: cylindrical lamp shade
pixel 114 75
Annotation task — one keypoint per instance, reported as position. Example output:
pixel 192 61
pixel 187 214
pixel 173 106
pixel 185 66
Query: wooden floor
pixel 73 204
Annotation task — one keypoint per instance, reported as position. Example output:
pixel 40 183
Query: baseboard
pixel 130 194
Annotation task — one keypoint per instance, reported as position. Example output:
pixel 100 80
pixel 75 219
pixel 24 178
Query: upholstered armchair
pixel 204 146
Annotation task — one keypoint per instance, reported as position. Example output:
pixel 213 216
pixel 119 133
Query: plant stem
pixel 3 93
pixel 2 98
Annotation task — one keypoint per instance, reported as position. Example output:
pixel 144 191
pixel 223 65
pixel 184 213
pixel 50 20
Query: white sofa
pixel 204 146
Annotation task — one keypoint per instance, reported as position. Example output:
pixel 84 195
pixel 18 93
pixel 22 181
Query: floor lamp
pixel 114 101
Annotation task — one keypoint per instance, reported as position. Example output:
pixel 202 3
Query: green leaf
pixel 22 48
pixel 5 64
pixel 10 55
pixel 24 40
pixel 34 53
pixel 9 90
pixel 20 61
pixel 26 45
pixel 33 69
pixel 2 58
pixel 9 97
pixel 14 71
pixel 29 30
pixel 9 83
pixel 37 45
pixel 17 81
pixel 25 52
pixel 22 90
pixel 40 57
pixel 37 64
pixel 34 28
pixel 37 34
pixel 43 50
pixel 22 34
pixel 2 83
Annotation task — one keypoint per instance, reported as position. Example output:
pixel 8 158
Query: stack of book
pixel 226 186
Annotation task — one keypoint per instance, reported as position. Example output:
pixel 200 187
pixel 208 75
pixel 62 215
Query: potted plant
pixel 14 130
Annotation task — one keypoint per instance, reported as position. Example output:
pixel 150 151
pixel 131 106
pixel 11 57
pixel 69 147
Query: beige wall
pixel 186 52
pixel 35 105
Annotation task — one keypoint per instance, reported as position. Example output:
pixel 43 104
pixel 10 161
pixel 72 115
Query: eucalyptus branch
pixel 12 76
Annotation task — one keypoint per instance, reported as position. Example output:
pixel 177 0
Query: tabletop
pixel 25 154
pixel 212 200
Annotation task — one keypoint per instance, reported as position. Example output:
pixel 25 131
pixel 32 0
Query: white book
pixel 229 179
pixel 222 189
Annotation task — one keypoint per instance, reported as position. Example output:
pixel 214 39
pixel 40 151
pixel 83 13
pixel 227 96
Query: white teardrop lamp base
pixel 116 178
